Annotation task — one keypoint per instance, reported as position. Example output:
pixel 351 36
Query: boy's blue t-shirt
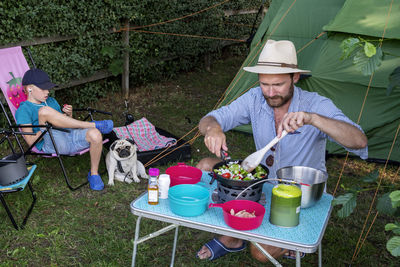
pixel 28 113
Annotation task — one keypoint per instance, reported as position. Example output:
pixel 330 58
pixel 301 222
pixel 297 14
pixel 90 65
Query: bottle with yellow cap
pixel 285 205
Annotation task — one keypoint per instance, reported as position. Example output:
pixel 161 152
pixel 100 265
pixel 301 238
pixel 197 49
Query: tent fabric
pixel 367 17
pixel 303 21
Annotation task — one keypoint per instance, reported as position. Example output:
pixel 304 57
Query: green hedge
pixel 91 22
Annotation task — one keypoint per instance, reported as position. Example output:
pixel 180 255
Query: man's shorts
pixel 67 143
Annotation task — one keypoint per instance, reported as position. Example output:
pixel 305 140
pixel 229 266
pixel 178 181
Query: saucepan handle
pixel 212 175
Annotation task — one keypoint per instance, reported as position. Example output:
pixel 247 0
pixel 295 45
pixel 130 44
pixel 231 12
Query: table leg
pixel 263 251
pixel 320 255
pixel 135 241
pixel 298 259
pixel 174 247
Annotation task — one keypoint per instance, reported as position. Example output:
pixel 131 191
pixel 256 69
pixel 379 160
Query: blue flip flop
pixel 218 249
pixel 95 182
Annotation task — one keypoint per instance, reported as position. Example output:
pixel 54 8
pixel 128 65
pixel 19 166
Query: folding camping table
pixel 306 237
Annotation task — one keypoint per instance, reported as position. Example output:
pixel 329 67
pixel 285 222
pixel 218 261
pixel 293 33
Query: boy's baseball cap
pixel 38 78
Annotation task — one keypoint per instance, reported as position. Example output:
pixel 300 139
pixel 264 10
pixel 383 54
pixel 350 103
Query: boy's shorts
pixel 67 143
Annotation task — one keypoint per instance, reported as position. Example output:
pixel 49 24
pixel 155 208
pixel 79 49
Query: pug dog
pixel 122 163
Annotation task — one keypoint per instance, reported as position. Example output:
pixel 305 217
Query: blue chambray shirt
pixel 307 148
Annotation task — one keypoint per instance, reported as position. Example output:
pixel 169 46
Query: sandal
pixel 292 255
pixel 95 182
pixel 218 249
pixel 105 126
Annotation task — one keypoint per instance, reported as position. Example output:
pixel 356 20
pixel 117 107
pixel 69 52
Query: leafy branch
pixel 388 204
pixel 367 57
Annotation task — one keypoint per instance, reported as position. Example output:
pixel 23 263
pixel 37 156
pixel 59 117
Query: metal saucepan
pixel 234 183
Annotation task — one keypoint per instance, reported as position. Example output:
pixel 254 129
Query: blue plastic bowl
pixel 188 200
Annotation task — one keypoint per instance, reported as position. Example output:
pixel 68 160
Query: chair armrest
pixel 47 126
pixel 9 132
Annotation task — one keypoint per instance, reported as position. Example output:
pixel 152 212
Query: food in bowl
pixel 243 214
pixel 234 171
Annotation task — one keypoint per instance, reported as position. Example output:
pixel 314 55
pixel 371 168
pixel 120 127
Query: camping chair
pixel 12 68
pixel 12 180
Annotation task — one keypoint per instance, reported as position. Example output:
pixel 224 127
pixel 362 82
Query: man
pixel 274 106
pixel 39 109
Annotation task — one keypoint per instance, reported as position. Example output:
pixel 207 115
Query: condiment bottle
pixel 152 189
pixel 163 182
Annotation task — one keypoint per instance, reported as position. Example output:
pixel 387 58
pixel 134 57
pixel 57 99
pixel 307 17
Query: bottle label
pixel 153 195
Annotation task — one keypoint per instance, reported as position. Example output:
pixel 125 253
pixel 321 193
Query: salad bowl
pixel 233 168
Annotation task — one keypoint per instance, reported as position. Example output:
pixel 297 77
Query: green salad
pixel 235 172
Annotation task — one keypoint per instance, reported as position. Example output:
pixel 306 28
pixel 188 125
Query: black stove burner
pixel 225 193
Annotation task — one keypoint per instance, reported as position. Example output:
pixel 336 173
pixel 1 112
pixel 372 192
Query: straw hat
pixel 277 57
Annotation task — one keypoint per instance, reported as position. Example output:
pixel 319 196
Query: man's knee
pixel 207 164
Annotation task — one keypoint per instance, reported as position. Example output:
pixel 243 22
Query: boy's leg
pixel 95 139
pixel 48 114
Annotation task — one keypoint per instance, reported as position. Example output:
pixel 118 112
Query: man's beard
pixel 283 99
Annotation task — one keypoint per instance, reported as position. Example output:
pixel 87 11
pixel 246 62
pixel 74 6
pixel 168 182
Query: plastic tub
pixel 183 174
pixel 188 200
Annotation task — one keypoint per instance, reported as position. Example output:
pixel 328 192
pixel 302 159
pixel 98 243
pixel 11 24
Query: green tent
pixel 317 29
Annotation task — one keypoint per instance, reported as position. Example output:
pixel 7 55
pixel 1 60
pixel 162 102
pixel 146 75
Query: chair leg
pixel 62 165
pixel 3 201
pixel 103 157
pixel 66 176
pixel 33 194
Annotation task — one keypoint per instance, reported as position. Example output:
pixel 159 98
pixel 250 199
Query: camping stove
pixel 224 193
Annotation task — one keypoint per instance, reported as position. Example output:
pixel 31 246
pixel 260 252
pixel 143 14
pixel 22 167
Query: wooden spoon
pixel 252 161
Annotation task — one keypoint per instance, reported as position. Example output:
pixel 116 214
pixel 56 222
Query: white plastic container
pixel 163 182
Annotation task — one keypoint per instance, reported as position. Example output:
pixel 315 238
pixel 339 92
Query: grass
pixel 88 228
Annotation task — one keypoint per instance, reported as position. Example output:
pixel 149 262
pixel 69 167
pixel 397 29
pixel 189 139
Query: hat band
pixel 276 64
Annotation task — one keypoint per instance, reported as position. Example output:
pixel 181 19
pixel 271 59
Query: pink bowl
pixel 238 205
pixel 183 174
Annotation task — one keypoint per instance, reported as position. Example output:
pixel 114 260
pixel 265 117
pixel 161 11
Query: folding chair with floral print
pixel 12 69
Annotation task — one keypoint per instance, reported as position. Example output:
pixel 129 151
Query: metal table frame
pixel 176 221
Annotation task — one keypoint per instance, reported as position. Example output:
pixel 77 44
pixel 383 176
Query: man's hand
pixel 67 109
pixel 342 132
pixel 293 121
pixel 214 137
